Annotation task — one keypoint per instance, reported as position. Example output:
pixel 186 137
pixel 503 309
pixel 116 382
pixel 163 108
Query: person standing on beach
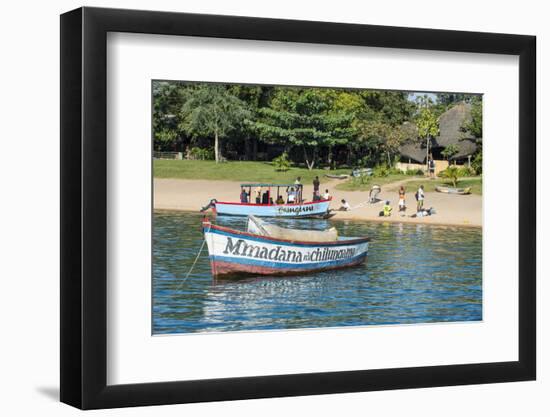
pixel 316 184
pixel 420 198
pixel 298 187
pixel 431 167
pixel 326 195
pixel 402 207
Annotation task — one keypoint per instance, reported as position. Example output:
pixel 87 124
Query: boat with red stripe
pixel 267 249
pixel 272 200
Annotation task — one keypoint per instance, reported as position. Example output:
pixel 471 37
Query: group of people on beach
pixel 295 196
pixel 420 210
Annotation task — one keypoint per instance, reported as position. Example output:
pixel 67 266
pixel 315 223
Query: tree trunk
pixel 247 149
pixel 329 157
pixel 255 149
pixel 308 163
pixel 216 147
pixel 428 153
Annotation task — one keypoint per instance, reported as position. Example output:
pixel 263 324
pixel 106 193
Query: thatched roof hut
pixel 412 148
pixel 451 132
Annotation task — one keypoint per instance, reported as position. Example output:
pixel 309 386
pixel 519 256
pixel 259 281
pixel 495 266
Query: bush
pixel 477 163
pixel 282 163
pixel 383 170
pixel 453 173
pixel 395 171
pixel 360 180
pixel 202 154
pixel 414 172
pixel 465 171
pixel 380 171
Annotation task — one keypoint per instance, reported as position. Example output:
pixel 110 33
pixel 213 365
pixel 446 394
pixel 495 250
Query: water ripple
pixel 414 274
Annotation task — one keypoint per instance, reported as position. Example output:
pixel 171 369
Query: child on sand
pixel 402 206
pixel 387 209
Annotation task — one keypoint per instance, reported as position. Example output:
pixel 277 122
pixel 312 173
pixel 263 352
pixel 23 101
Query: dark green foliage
pixel 202 154
pixel 303 118
pixel 312 127
pixel 475 127
pixel 281 163
pixel 414 172
pixel 449 151
pixel 453 173
pixel 477 163
pixel 211 110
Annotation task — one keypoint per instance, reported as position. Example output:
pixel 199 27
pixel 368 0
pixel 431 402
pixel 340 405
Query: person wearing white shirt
pixel 420 198
pixel 345 206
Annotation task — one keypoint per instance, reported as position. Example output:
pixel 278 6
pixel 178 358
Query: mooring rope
pixel 194 263
pixel 363 204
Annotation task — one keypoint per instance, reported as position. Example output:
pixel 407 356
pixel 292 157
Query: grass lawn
pixel 429 185
pixel 355 184
pixel 245 171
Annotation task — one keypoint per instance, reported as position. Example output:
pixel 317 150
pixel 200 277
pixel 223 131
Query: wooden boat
pixel 256 252
pixel 360 172
pixel 452 190
pixel 267 208
pixel 337 177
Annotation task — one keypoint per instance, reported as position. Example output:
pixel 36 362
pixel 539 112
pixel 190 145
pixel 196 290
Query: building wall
pixel 439 166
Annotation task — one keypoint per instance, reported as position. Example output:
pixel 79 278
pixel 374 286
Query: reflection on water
pixel 414 274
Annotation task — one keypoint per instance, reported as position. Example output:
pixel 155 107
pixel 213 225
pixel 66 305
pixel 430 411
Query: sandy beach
pixel 456 210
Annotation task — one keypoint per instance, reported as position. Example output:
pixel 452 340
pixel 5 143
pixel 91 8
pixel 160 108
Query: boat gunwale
pixel 455 190
pixel 274 205
pixel 235 275
pixel 351 241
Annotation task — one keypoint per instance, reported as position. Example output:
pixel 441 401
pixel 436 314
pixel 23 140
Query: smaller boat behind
pixel 269 202
pixel 452 190
pixel 337 176
pixel 267 249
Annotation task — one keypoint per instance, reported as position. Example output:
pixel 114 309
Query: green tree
pixel 165 114
pixel 428 127
pixel 452 173
pixel 475 128
pixel 211 110
pixel 387 138
pixel 449 151
pixel 282 162
pixel 303 118
pixel 380 130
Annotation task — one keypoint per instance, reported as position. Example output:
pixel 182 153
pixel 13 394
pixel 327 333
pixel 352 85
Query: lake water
pixel 413 274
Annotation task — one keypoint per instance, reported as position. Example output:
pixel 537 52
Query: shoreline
pixel 396 220
pixel 451 210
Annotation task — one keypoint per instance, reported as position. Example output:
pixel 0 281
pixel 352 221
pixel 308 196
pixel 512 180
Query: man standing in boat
pixel 244 195
pixel 298 187
pixel 258 194
pixel 316 193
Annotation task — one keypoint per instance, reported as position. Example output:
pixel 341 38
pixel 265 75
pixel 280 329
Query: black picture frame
pixel 84 207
